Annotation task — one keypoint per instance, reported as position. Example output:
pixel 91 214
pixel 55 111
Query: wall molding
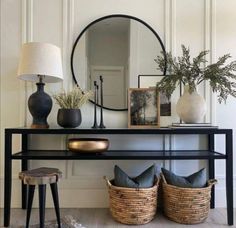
pixel 213 56
pixel 207 37
pixel 67 42
pixel 173 27
pixel 173 51
pixel 27 15
pixel 91 198
pixel 26 36
pixel 88 196
pixel 167 41
pixel 167 26
pixel 27 21
pixel 210 44
pixel 72 197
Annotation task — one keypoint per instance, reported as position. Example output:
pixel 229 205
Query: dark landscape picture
pixel 150 81
pixel 143 107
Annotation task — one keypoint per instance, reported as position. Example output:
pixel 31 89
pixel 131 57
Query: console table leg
pixel 24 166
pixel 211 166
pixel 229 178
pixel 7 179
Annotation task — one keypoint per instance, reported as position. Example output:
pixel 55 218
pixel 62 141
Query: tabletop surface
pixel 166 130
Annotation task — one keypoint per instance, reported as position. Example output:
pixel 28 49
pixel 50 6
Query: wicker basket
pixel 186 205
pixel 131 205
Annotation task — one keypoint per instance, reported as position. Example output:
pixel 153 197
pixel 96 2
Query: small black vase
pixel 69 118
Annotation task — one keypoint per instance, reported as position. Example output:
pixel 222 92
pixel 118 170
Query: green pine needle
pixel 189 72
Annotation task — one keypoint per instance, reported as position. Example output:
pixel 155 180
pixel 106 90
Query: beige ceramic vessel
pixel 191 108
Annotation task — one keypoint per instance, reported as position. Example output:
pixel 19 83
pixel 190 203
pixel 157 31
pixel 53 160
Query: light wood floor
pixel 99 218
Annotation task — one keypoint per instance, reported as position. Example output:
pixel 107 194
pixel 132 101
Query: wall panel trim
pixel 26 36
pixel 173 51
pixel 207 38
pixel 67 40
pixel 213 56
pixel 67 43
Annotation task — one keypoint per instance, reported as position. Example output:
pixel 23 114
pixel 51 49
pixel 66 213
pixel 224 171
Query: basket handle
pixel 163 178
pixel 212 182
pixel 107 181
pixel 157 180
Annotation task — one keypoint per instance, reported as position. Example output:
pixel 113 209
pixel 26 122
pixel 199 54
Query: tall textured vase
pixel 191 107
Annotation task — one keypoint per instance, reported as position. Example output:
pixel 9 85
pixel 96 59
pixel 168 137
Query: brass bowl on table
pixel 88 145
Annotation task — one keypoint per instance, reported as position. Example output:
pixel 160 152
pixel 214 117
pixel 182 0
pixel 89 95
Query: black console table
pixel 209 154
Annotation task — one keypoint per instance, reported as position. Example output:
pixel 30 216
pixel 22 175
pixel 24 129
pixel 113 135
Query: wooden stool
pixel 41 177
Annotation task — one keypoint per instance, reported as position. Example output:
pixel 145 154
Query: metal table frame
pixel 209 154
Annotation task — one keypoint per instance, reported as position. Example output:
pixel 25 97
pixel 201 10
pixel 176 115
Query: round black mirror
pixel 118 47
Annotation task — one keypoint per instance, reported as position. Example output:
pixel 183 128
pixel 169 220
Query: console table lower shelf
pixel 210 155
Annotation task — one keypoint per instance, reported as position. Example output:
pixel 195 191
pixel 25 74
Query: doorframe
pixel 109 68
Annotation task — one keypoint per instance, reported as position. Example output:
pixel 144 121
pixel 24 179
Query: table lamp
pixel 40 62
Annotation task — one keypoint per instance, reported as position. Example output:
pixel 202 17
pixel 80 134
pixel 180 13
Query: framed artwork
pixel 168 113
pixel 150 81
pixel 143 108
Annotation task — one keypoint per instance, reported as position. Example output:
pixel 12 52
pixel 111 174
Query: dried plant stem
pixel 73 99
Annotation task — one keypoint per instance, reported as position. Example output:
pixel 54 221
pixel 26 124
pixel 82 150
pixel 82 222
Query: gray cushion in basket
pixel 195 180
pixel 144 180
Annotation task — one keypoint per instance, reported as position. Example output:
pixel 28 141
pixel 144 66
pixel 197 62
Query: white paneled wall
pixel 202 24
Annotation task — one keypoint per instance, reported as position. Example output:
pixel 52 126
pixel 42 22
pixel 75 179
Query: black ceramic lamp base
pixel 40 105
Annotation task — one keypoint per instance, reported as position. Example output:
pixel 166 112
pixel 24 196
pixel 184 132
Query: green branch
pixel 193 72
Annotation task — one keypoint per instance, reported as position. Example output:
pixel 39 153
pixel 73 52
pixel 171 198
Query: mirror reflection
pixel 119 49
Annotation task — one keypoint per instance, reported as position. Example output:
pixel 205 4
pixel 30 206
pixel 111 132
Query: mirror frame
pixel 103 18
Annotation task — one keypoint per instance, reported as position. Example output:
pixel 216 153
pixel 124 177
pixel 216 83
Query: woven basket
pixel 131 205
pixel 186 205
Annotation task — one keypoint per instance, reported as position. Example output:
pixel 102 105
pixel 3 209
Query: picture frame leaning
pixel 143 108
pixel 168 114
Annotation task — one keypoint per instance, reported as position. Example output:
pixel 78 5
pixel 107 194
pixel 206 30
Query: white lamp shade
pixel 40 59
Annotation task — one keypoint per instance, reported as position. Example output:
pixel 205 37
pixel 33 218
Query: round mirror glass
pixel 118 48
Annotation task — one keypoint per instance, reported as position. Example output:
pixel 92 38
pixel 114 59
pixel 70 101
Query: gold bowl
pixel 88 145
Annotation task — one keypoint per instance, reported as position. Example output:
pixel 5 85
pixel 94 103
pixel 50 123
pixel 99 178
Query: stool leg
pixel 42 198
pixel 56 202
pixel 31 189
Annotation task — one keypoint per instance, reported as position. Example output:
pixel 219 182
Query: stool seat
pixel 40 176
